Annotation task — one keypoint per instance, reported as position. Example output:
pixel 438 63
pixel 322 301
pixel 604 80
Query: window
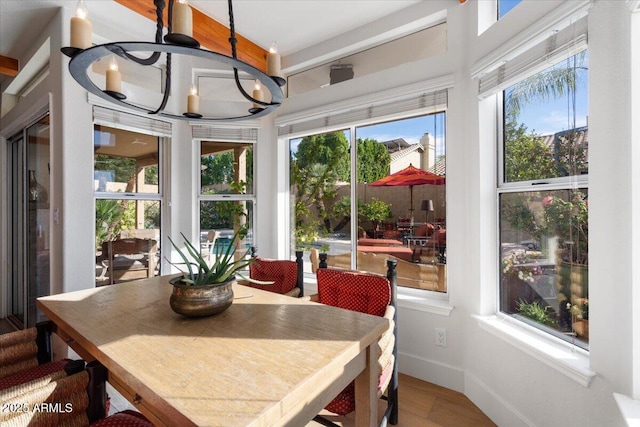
pixel 320 179
pixel 127 185
pixel 543 200
pixel 505 6
pixel 406 219
pixel 226 196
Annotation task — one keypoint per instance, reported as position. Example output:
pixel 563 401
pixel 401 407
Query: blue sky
pixel 505 6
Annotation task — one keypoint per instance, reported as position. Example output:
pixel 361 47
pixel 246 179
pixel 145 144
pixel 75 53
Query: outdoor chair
pixel 129 259
pixel 286 275
pixel 207 247
pixel 373 294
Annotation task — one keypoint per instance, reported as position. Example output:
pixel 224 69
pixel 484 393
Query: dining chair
pixel 75 400
pixel 26 355
pixel 287 276
pixel 373 294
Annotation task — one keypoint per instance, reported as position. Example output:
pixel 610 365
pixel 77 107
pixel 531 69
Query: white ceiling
pixel 294 24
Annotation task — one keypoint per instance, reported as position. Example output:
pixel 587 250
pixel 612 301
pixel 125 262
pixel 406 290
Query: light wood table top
pixel 267 360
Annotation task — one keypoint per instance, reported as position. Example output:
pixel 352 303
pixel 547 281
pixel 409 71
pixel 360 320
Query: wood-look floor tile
pixel 423 404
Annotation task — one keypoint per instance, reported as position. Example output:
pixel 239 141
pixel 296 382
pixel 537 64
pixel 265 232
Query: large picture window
pixel 361 209
pixel 543 201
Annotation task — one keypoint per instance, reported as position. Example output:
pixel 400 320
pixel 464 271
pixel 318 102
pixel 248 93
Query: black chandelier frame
pixel 82 59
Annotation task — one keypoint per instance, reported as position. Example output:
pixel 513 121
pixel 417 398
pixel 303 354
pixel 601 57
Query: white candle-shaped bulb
pixel 193 101
pixel 258 95
pixel 81 27
pixel 273 61
pixel 114 78
pixel 181 19
pixel 81 10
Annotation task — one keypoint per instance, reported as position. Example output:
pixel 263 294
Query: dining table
pixel 267 360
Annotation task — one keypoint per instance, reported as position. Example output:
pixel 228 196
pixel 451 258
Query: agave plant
pixel 225 267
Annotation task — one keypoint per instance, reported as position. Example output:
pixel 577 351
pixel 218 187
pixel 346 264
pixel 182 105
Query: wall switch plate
pixel 441 337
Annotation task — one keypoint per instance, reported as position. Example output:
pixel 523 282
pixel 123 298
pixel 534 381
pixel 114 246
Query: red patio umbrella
pixel 410 176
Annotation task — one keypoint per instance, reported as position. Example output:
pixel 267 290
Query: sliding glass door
pixel 29 219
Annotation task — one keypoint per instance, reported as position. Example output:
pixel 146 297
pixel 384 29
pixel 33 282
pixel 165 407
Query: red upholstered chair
pixel 286 275
pixel 373 294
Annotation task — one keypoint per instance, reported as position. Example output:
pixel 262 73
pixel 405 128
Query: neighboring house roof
pixel 397 155
pixel 559 139
pixel 439 168
pixel 581 135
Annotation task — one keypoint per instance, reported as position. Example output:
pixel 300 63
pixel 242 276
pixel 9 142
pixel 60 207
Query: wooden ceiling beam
pixel 9 66
pixel 210 33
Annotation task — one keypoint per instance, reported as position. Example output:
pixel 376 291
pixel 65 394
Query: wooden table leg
pixel 366 391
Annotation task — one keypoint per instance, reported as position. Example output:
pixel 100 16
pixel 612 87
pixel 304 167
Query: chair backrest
pixel 353 290
pixel 24 349
pixel 212 236
pixel 367 293
pixel 285 274
pixel 83 395
pixel 130 255
pixel 129 246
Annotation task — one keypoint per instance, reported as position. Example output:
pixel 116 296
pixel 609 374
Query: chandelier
pixel 179 41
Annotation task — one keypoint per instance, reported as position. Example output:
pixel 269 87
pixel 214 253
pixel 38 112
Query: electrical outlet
pixel 441 337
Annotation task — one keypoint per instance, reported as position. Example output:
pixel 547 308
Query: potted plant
pixel 204 289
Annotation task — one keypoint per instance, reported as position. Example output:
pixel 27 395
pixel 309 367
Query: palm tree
pixel 552 83
pixel 525 157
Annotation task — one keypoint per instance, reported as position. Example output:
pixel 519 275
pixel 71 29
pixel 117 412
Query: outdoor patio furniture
pixel 129 259
pixel 414 275
pixel 379 242
pixel 372 294
pixel 433 247
pixel 401 252
pixel 206 247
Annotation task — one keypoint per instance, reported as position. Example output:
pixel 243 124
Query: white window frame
pixel 149 126
pixel 239 135
pixel 348 115
pixel 566 358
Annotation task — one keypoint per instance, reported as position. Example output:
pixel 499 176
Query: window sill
pixel 425 301
pixel 563 357
pixel 629 407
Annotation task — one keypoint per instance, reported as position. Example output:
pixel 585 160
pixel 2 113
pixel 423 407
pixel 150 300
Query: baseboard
pixel 432 371
pixel 493 406
pixel 453 378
